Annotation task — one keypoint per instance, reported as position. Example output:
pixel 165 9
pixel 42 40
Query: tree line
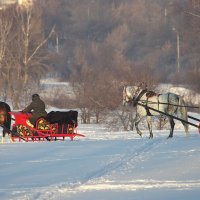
pixel 104 45
pixel 135 35
pixel 98 46
pixel 23 54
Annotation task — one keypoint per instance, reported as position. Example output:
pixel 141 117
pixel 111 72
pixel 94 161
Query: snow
pixel 103 166
pixel 51 87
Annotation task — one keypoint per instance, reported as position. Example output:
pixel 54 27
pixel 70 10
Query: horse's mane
pixel 150 93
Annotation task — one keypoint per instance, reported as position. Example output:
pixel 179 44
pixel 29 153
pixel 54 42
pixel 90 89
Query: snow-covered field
pixel 103 166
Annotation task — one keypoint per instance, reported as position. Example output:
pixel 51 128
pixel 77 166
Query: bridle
pixel 137 96
pixel 125 96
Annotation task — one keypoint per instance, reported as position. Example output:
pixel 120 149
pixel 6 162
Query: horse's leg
pixel 10 138
pixel 4 133
pixel 3 136
pixel 185 125
pixel 171 121
pixel 182 113
pixel 149 122
pixel 137 121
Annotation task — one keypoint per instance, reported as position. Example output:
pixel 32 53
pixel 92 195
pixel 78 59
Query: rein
pixel 151 102
pixel 137 100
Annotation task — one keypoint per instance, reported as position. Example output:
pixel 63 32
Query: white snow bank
pixel 103 165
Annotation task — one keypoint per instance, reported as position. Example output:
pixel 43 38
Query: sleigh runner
pixel 43 129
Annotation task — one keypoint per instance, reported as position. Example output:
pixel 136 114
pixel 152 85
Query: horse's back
pixel 168 97
pixel 166 102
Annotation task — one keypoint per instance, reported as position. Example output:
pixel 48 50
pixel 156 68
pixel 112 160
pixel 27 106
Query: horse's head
pixel 2 116
pixel 129 94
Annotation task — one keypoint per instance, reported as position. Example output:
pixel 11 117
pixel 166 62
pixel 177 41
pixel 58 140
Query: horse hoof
pixel 140 134
pixel 169 137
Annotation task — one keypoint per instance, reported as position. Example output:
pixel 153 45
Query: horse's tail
pixel 182 113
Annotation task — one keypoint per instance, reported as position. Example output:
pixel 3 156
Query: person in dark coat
pixel 37 108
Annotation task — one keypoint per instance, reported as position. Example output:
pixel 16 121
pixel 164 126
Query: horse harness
pixel 148 95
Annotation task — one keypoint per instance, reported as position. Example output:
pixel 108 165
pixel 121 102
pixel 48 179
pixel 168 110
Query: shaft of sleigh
pixel 170 104
pixel 194 118
pixel 174 117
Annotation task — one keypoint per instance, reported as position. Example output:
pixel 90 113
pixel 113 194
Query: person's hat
pixel 34 96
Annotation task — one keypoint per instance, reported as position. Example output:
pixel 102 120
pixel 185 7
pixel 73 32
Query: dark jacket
pixel 37 107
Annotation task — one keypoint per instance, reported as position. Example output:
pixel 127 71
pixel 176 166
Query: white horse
pixel 168 103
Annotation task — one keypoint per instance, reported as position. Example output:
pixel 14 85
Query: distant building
pixel 25 2
pixel 5 3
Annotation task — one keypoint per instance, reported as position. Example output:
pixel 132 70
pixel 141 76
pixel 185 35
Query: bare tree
pixel 6 23
pixel 26 56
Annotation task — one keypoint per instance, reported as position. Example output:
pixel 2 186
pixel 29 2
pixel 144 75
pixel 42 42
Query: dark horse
pixel 5 118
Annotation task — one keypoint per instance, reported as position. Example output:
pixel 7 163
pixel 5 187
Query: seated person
pixel 37 108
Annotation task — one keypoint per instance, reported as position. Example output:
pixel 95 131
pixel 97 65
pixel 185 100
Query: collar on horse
pixel 148 95
pixel 135 100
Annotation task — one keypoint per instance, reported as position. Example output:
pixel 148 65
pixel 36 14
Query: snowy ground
pixel 103 166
